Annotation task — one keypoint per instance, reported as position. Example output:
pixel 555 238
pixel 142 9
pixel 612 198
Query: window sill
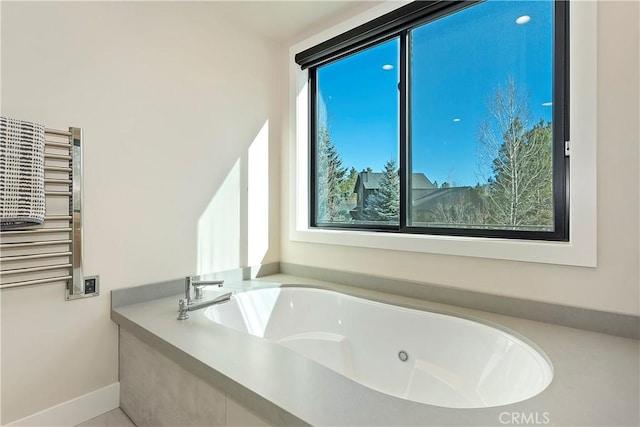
pixel 576 253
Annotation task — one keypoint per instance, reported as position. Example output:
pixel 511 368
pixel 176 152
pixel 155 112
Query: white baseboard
pixel 75 411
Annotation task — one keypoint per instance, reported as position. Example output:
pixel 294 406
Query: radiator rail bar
pixel 36 282
pixel 36 256
pixel 33 269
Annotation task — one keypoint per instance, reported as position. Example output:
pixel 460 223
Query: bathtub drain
pixel 403 356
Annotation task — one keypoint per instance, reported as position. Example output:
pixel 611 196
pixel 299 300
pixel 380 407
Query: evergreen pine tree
pixel 347 186
pixel 330 176
pixel 384 204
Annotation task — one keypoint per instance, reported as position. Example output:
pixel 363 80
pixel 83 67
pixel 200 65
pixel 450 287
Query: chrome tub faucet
pixel 189 304
pixel 198 285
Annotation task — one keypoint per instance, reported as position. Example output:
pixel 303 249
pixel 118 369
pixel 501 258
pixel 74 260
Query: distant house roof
pixel 420 182
pixel 371 181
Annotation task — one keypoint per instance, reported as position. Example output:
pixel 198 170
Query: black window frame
pixel 398 24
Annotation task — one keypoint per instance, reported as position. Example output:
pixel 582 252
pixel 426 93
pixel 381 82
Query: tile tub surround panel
pixel 238 416
pixel 273 414
pixel 156 391
pixel 575 317
pixel 595 382
pixel 113 418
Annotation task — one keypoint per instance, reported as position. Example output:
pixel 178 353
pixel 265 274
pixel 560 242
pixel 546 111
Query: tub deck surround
pixel 622 325
pixel 595 375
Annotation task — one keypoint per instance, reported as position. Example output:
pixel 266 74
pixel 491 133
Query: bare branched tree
pixel 517 158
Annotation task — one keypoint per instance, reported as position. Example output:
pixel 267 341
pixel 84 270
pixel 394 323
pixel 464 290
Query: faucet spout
pixel 184 306
pixel 197 284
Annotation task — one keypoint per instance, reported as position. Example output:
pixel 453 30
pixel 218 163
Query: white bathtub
pixel 450 361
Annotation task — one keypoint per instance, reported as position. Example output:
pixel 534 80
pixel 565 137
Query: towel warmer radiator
pixel 53 251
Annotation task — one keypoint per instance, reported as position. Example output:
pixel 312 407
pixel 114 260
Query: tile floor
pixel 114 418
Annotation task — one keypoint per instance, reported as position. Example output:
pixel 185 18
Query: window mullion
pixel 404 132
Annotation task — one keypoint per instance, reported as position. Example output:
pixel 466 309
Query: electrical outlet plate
pixel 90 287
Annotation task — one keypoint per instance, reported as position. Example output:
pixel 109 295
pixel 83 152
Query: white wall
pixel 612 286
pixel 177 106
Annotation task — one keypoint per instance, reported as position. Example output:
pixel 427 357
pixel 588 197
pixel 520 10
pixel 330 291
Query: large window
pixel 446 118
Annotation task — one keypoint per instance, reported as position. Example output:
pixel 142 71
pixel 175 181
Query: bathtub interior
pixel 450 361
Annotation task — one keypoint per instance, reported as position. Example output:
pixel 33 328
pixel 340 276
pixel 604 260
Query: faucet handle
pixel 183 309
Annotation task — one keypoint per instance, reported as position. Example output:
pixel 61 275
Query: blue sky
pixel 458 62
